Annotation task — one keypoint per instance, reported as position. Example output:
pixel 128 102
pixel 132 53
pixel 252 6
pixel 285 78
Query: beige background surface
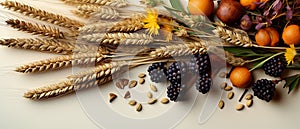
pixel 66 112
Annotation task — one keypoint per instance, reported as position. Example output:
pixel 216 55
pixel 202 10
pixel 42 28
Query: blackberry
pixel 264 89
pixel 274 67
pixel 176 72
pixel 203 83
pixel 199 64
pixel 157 72
pixel 175 91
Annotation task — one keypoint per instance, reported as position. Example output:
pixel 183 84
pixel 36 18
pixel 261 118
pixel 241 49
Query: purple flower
pixel 259 26
pixel 246 22
pixel 262 5
pixel 289 13
pixel 277 5
pixel 266 13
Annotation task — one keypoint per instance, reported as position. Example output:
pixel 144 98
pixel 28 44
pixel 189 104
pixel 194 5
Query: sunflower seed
pixel 127 95
pixel 112 97
pixel 249 103
pixel 149 95
pixel 223 75
pixel 124 82
pixel 249 97
pixel 221 104
pixel 239 107
pixel 228 88
pixel 132 84
pixel 132 102
pixel 152 101
pixel 230 95
pixel 142 75
pixel 119 85
pixel 164 100
pixel 139 107
pixel 223 85
pixel 142 81
pixel 153 88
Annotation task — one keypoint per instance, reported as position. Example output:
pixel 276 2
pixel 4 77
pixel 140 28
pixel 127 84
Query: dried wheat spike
pixel 43 15
pixel 61 62
pixel 100 71
pixel 119 38
pixel 106 13
pixel 130 24
pixel 179 50
pixel 233 36
pixel 36 28
pixel 235 61
pixel 112 3
pixel 46 45
pixel 81 13
pixel 62 88
pixel 96 28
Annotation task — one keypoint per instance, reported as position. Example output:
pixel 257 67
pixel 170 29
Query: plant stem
pixel 261 63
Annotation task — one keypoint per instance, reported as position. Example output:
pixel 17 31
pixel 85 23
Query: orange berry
pixel 249 4
pixel 291 35
pixel 262 38
pixel 274 35
pixel 240 77
pixel 201 7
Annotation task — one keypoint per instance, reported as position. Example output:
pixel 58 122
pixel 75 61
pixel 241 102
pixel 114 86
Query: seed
pixel 249 103
pixel 221 104
pixel 112 97
pixel 118 84
pixel 249 97
pixel 149 94
pixel 223 85
pixel 228 88
pixel 239 107
pixel 132 102
pixel 230 95
pixel 142 75
pixel 142 81
pixel 164 100
pixel 223 75
pixel 139 107
pixel 127 95
pixel 124 82
pixel 153 88
pixel 132 84
pixel 152 101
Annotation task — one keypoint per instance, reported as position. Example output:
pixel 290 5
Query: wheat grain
pixel 112 3
pixel 179 50
pixel 96 28
pixel 106 13
pixel 46 45
pixel 43 15
pixel 130 24
pixel 235 61
pixel 61 62
pixel 36 28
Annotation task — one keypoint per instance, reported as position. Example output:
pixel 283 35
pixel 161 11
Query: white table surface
pixel 17 112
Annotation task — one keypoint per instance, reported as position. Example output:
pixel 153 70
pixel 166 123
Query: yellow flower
pixel 290 54
pixel 167 28
pixel 151 21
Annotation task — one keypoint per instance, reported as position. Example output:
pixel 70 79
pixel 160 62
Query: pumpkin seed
pixel 112 97
pixel 139 107
pixel 152 101
pixel 142 75
pixel 230 95
pixel 164 100
pixel 228 88
pixel 221 104
pixel 132 102
pixel 153 88
pixel 239 107
pixel 249 97
pixel 142 81
pixel 132 84
pixel 223 85
pixel 149 95
pixel 249 103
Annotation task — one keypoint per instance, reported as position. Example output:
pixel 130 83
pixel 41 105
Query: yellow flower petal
pixel 151 22
pixel 290 54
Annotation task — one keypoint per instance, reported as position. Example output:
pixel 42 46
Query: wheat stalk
pixel 130 24
pixel 106 13
pixel 119 38
pixel 112 3
pixel 43 15
pixel 235 61
pixel 36 28
pixel 179 50
pixel 96 28
pixel 233 36
pixel 47 45
pixel 61 62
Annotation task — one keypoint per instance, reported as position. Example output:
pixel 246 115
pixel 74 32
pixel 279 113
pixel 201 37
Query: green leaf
pixel 264 61
pixel 176 4
pixel 292 82
pixel 236 51
pixel 293 86
pixel 171 11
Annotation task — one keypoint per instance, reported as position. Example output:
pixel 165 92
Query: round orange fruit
pixel 241 77
pixel 249 4
pixel 274 35
pixel 201 7
pixel 291 35
pixel 262 38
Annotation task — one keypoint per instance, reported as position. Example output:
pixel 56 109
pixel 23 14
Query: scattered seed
pixel 127 95
pixel 132 102
pixel 119 85
pixel 221 104
pixel 228 88
pixel 249 103
pixel 223 75
pixel 132 84
pixel 153 88
pixel 112 97
pixel 142 81
pixel 149 95
pixel 139 107
pixel 230 95
pixel 223 85
pixel 142 75
pixel 124 82
pixel 152 101
pixel 239 107
pixel 249 97
pixel 164 100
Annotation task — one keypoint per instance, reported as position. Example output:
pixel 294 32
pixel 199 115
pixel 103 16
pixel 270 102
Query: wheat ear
pixel 35 28
pixel 112 3
pixel 130 24
pixel 43 15
pixel 119 38
pixel 47 45
pixel 61 62
pixel 106 13
pixel 179 50
pixel 235 61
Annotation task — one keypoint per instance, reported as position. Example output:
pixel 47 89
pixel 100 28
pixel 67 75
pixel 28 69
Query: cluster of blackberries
pixel 157 72
pixel 274 67
pixel 264 89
